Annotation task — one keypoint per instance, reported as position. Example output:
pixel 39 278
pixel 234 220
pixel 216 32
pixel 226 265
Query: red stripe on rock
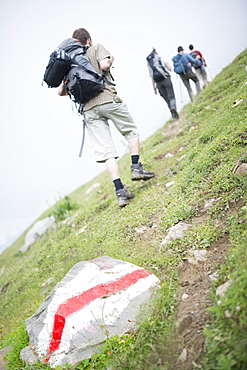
pixel 74 304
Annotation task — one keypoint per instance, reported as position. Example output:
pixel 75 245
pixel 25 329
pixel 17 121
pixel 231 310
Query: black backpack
pixel 82 82
pixel 59 63
pixel 158 73
pixel 69 63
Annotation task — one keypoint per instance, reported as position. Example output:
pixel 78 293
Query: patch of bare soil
pixel 195 285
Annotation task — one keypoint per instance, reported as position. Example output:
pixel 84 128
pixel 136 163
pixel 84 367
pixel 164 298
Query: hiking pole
pixel 181 95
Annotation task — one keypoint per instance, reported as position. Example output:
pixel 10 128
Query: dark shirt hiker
pixel 161 80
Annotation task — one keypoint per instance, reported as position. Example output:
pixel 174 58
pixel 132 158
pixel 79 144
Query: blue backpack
pixel 181 65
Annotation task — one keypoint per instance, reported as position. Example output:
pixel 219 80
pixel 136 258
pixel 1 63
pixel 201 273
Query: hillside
pixel 194 159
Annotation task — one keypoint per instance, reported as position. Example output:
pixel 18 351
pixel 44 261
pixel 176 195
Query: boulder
pixel 38 229
pixel 96 300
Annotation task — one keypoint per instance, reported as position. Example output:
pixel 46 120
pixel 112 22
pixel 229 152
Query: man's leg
pixel 121 118
pixel 122 192
pixel 194 78
pixel 137 170
pixel 186 83
pixel 100 135
pixel 204 77
pixel 171 98
pixel 112 168
pixel 165 88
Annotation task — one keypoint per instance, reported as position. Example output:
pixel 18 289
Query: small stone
pixel 209 203
pixel 183 356
pixel 82 230
pixel 3 353
pixel 95 185
pixel 179 159
pixel 169 155
pixel 192 261
pixel 241 170
pixel 184 323
pixel 141 229
pixel 170 184
pixel 175 232
pixel 221 290
pixel 199 254
pixel 213 276
pixel 184 296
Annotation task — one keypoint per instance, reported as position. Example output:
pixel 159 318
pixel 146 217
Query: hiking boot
pixel 138 173
pixel 174 113
pixel 124 196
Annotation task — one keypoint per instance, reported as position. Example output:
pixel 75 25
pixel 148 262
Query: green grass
pixel 212 138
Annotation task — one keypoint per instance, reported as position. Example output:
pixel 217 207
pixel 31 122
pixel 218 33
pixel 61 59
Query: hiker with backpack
pixel 161 80
pixel 107 105
pixel 201 70
pixel 182 66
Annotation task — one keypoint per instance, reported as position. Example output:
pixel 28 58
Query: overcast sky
pixel 40 136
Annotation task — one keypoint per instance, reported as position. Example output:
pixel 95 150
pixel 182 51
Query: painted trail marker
pixel 96 300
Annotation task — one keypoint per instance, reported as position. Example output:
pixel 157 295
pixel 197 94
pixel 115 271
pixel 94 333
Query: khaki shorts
pixel 99 129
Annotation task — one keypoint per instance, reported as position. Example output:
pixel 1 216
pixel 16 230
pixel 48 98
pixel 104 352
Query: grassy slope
pixel 212 138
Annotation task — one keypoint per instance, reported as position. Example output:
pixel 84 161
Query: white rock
pixel 175 232
pixel 170 184
pixel 199 254
pixel 96 300
pixel 69 220
pixel 38 229
pixel 192 261
pixel 82 230
pixel 185 296
pixel 213 276
pixel 221 290
pixel 95 185
pixel 183 356
pixel 141 229
pixel 169 155
pixel 179 159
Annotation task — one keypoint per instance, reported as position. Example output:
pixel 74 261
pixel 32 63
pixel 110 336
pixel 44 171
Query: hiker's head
pixel 82 35
pixel 191 47
pixel 180 49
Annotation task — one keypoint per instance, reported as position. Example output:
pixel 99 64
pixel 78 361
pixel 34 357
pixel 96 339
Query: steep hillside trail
pixel 195 282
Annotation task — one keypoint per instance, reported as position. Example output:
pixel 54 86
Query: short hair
pixel 180 48
pixel 82 35
pixel 191 47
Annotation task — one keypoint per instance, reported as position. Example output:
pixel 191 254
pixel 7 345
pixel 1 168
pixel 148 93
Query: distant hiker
pixel 106 105
pixel 201 70
pixel 182 66
pixel 161 80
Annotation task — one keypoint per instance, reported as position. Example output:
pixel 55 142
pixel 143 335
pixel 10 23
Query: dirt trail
pixel 195 282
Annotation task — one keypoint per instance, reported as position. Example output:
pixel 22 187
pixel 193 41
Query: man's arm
pixel 61 90
pixel 106 63
pixel 168 66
